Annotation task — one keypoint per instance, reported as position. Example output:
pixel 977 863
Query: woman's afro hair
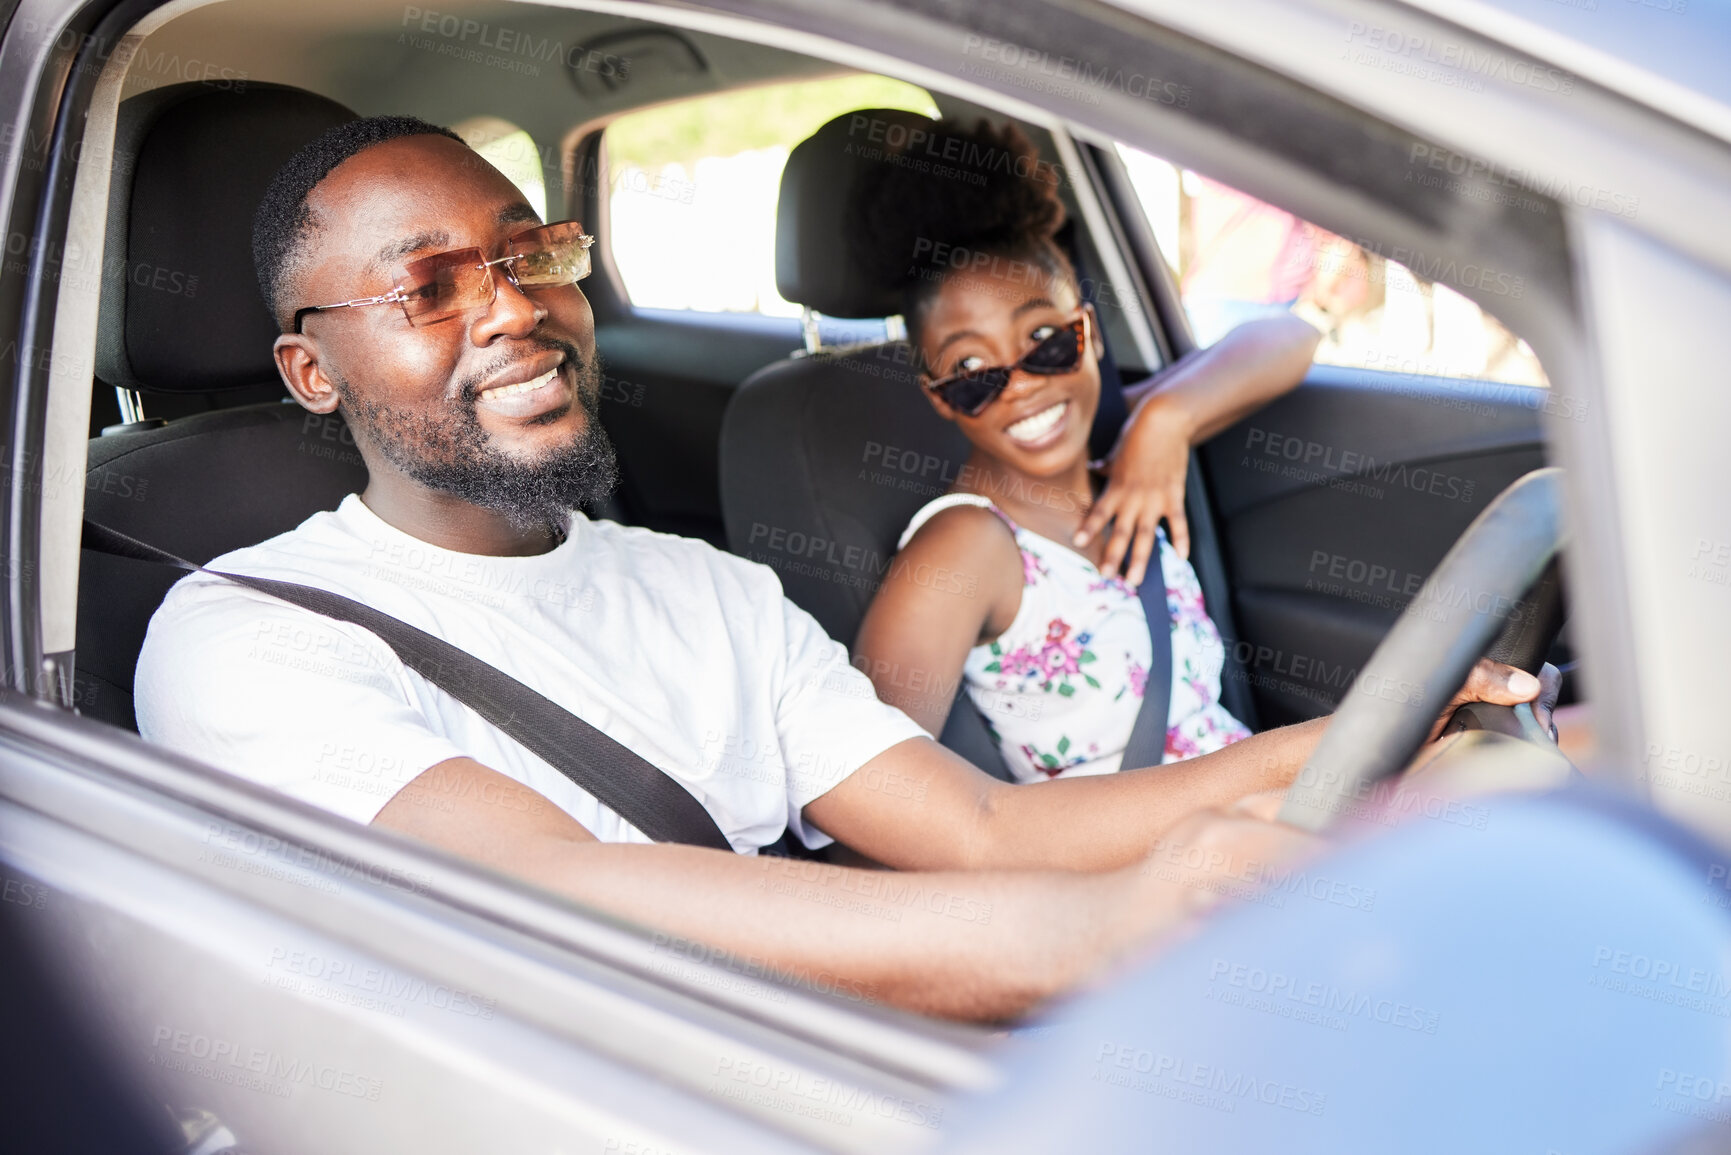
pixel 955 193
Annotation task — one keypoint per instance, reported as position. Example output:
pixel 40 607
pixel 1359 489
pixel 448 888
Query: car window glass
pixel 512 151
pixel 1235 257
pixel 693 187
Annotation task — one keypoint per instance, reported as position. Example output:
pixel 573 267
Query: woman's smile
pixel 1041 428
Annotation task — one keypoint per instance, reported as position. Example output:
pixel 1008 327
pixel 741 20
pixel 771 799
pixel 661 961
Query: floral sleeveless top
pixel 1061 687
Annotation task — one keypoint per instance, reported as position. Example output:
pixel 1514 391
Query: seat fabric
pixel 182 314
pixel 198 487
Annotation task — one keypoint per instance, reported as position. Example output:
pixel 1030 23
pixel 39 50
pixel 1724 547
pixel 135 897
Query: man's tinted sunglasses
pixel 971 390
pixel 447 285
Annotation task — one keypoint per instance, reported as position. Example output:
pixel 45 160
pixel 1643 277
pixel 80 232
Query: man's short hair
pixel 284 222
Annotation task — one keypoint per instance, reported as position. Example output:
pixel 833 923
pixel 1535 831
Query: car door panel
pixel 1337 501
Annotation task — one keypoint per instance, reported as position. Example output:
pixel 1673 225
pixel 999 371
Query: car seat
pixel 199 162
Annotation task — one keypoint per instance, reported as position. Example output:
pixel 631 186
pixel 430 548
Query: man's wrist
pixel 1299 742
pixel 1165 895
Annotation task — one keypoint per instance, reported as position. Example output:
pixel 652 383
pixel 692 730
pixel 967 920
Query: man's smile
pixel 529 391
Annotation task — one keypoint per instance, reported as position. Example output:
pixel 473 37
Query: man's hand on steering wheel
pixel 1504 685
pixel 1250 831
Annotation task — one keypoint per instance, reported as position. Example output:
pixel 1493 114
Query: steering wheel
pixel 1500 575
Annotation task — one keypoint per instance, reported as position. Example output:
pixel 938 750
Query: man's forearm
pixel 963 945
pixel 1103 822
pixel 967 945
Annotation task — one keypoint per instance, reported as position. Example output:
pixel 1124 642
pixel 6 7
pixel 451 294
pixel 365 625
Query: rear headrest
pixel 812 262
pixel 182 312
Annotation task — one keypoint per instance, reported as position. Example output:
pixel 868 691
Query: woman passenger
pixel 1051 642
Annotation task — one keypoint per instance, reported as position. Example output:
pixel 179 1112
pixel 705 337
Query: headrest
pixel 182 313
pixel 813 265
pixel 823 460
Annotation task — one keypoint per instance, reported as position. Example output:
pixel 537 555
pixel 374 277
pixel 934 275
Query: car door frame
pixel 923 38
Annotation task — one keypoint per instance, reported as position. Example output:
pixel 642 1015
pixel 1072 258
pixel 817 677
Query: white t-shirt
pixel 690 656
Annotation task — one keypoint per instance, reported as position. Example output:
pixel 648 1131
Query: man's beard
pixel 446 449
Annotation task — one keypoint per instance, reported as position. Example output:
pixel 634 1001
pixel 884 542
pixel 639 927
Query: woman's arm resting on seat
pixel 963 945
pixel 1185 405
pixel 1234 377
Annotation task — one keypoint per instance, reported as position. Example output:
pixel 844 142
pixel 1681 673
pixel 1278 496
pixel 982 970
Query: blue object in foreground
pixel 1538 975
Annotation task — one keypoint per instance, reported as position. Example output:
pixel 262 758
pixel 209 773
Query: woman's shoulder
pixel 970 540
pixel 957 520
pixel 952 509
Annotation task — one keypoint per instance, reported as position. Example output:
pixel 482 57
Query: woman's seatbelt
pixel 631 786
pixel 965 730
pixel 1147 744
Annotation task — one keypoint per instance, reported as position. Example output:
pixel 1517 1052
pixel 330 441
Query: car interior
pixel 782 423
pixel 730 425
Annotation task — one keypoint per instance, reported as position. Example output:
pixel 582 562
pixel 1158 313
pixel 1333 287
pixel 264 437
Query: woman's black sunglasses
pixel 971 390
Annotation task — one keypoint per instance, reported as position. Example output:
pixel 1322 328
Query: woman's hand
pixel 1145 475
pixel 1184 404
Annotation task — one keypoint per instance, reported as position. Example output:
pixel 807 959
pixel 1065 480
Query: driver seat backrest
pixel 826 456
pixel 200 159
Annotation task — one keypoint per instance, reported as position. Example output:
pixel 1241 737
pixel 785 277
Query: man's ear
pixel 297 359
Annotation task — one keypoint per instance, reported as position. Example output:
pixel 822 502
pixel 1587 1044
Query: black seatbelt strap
pixel 1147 744
pixel 631 786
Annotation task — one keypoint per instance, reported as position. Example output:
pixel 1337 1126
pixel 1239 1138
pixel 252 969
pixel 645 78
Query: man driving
pixel 421 297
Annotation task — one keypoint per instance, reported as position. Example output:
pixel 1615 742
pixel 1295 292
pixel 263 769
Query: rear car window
pixel 693 187
pixel 512 151
pixel 1236 258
